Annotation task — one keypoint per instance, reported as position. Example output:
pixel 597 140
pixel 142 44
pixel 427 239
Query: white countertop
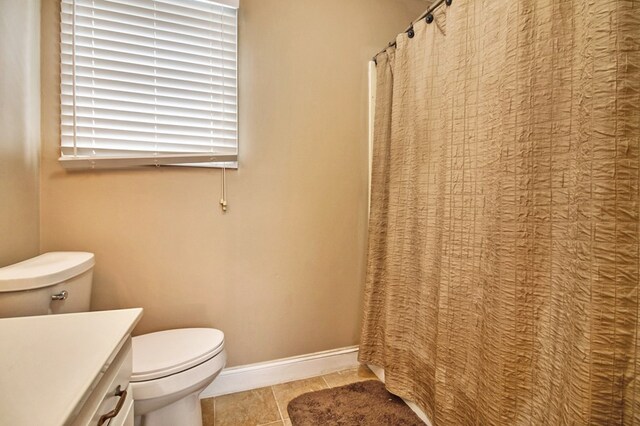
pixel 49 363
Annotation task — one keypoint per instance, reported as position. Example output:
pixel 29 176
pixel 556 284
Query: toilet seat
pixel 165 353
pixel 152 395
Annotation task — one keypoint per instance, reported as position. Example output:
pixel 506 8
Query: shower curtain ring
pixel 410 32
pixel 429 18
pixel 448 2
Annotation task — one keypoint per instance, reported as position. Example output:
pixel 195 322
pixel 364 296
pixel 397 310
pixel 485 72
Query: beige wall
pixel 19 129
pixel 282 272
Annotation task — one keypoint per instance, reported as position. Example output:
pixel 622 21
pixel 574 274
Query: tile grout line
pixel 325 382
pixel 273 392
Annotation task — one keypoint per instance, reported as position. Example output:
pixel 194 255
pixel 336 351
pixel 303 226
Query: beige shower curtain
pixel 503 269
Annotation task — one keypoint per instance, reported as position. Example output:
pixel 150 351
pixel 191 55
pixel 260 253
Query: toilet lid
pixel 163 353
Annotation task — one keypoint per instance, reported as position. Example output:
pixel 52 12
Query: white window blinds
pixel 148 82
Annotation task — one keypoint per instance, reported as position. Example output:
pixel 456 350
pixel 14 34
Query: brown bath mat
pixel 358 404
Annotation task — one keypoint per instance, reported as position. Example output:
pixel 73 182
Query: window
pixel 148 82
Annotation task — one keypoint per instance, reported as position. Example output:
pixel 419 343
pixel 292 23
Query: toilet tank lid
pixel 45 270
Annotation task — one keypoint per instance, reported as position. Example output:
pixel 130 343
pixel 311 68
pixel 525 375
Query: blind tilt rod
pixel 426 15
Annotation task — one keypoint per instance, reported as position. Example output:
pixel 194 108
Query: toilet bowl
pixel 170 368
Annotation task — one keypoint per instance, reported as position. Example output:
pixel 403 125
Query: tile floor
pixel 268 406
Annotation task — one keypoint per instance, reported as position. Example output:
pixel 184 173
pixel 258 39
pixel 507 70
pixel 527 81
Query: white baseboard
pixel 379 371
pixel 252 376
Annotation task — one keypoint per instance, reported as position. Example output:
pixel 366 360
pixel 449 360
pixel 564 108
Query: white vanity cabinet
pixel 67 369
pixel 111 403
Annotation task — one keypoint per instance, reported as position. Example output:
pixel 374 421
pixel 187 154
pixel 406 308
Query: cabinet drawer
pixel 125 416
pixel 110 390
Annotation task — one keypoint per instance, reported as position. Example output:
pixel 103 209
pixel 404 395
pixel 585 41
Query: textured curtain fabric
pixel 503 267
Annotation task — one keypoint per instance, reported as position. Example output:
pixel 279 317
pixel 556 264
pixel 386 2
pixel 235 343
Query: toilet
pixel 170 368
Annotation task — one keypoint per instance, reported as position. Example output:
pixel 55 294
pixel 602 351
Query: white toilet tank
pixel 52 283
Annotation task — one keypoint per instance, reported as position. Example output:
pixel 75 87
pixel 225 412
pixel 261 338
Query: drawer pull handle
pixel 111 414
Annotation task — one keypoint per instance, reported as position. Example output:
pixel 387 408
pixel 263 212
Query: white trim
pixel 252 376
pixel 373 76
pixel 379 371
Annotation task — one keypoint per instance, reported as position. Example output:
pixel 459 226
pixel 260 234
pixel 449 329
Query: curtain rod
pixel 427 15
